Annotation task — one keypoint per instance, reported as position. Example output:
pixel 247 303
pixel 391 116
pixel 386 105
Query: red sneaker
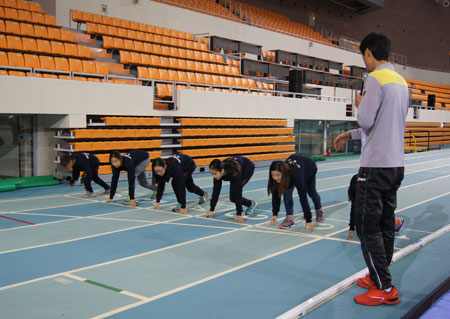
pixel 366 282
pixel 376 297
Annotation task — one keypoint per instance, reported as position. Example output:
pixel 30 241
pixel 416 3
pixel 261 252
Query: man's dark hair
pixel 378 44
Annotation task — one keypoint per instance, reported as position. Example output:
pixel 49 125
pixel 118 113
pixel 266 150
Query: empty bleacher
pixel 420 91
pixel 246 13
pixel 426 136
pixel 258 139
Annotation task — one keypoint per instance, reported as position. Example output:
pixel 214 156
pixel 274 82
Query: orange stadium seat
pixel 34 6
pixel 38 18
pixel 50 20
pixel 26 29
pixel 83 51
pixel 54 33
pixel 14 43
pixel 40 31
pixel 29 45
pixel 61 64
pixel 3 58
pixel 66 36
pixel 16 59
pixel 89 67
pixel 70 49
pixel 47 62
pixel 101 68
pixel 23 5
pixel 57 48
pixel 44 46
pixel 75 65
pixel 11 14
pixel 12 27
pixel 3 42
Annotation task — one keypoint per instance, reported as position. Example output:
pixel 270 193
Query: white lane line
pixel 123 292
pixel 117 260
pixel 422 202
pixel 198 282
pixel 258 171
pixel 90 236
pixel 48 223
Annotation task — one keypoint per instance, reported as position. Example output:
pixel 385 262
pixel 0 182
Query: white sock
pixel 388 290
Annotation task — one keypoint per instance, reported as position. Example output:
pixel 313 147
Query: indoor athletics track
pixel 62 256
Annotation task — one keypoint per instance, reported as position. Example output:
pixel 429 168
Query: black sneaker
pixel 287 223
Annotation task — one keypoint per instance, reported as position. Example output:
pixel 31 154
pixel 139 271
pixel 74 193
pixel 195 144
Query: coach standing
pixel 382 111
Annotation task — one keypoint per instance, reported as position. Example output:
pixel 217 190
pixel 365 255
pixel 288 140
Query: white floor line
pixel 131 257
pixel 336 289
pixel 116 260
pixel 259 171
pixel 198 282
pixel 42 208
pixel 123 292
pixel 48 223
pixel 90 236
pixel 70 218
pixel 422 202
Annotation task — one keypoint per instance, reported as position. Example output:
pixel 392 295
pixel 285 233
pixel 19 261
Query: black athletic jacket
pixel 130 161
pixel 236 183
pixel 306 168
pixel 183 165
pixel 84 162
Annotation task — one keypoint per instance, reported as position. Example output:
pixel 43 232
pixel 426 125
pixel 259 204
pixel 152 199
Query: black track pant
pixel 87 178
pixel 376 200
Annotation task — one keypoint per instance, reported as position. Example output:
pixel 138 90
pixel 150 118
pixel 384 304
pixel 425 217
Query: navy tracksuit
pixel 237 183
pixel 304 179
pixel 182 168
pixel 89 164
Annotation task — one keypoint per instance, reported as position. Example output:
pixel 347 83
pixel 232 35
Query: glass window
pixel 16 146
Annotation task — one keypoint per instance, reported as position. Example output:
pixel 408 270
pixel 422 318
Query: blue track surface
pixel 166 265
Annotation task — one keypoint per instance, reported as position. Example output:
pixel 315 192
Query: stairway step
pixel 117 68
pixel 128 76
pixel 160 106
pixel 83 37
pixel 101 55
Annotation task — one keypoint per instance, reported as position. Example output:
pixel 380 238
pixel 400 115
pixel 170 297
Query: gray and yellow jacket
pixel 382 118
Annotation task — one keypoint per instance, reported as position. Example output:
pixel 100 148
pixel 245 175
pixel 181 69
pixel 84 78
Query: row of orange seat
pixel 27 16
pixel 115 133
pixel 35 31
pixel 139 59
pixel 142 36
pixel 131 121
pixel 79 16
pixel 189 121
pixel 54 76
pixel 115 145
pixel 40 46
pixel 195 78
pixel 237 150
pixel 255 157
pixel 236 140
pixel 162 50
pixel 21 4
pixel 166 90
pixel 52 63
pixel 104 158
pixel 234 131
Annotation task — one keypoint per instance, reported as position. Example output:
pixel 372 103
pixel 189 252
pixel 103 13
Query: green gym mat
pixel 11 184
